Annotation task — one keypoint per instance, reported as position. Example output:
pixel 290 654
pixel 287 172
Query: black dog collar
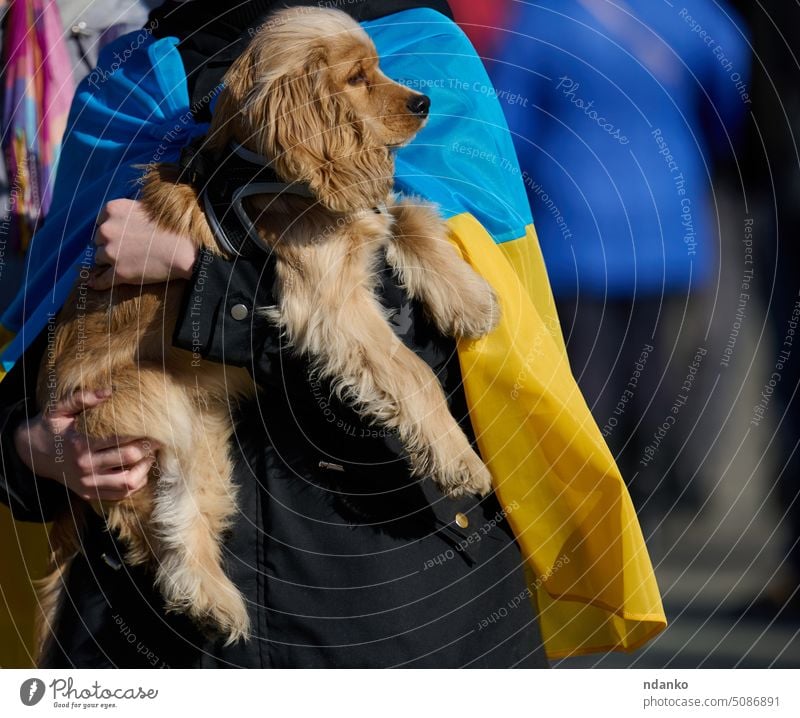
pixel 223 184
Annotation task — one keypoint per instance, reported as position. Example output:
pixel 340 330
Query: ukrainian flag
pixel 589 571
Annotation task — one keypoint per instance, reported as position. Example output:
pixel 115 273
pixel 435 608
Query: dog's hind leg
pixel 193 497
pixel 195 503
pixel 458 299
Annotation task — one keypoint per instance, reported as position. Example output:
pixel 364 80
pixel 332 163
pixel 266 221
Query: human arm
pixel 132 249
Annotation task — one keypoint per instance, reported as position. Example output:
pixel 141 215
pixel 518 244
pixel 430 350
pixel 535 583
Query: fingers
pixel 126 455
pixel 120 442
pixel 116 485
pixel 102 275
pixel 102 217
pixel 110 225
pixel 102 257
pixel 101 279
pixel 109 469
pixel 113 210
pixel 78 402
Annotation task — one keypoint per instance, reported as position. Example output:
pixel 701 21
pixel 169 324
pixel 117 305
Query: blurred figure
pixel 90 26
pixel 483 22
pixel 771 169
pixel 618 111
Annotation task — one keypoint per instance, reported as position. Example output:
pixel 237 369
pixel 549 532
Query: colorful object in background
pixel 483 22
pixel 38 92
pixel 622 110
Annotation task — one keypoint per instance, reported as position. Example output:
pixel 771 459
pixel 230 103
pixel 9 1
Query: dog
pixel 309 95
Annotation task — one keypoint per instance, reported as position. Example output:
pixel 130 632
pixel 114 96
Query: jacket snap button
pixel 331 467
pixel 111 562
pixel 462 520
pixel 239 312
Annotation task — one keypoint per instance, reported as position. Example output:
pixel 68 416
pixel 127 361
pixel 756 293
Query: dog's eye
pixel 357 79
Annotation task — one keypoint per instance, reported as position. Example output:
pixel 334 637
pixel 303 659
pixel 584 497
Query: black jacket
pixel 344 559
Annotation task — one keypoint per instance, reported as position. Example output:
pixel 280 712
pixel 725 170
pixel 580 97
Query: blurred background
pixel 658 143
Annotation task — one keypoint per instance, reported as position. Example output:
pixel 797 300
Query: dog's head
pixel 308 94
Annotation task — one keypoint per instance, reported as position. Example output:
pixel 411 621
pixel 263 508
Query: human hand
pixel 132 249
pixel 108 470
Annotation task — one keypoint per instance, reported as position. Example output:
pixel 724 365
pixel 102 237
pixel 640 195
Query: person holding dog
pixel 343 559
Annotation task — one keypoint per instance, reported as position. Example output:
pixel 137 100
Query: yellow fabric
pixel 525 256
pixel 589 570
pixel 24 558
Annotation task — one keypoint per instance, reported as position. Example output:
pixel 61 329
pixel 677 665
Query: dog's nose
pixel 419 105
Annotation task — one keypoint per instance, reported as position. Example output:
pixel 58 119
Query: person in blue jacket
pixel 618 111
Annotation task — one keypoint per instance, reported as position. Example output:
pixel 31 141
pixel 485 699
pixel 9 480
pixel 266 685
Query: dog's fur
pixel 308 94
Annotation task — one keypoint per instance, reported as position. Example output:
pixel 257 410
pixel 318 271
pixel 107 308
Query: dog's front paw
pixel 473 478
pixel 478 312
pixel 459 473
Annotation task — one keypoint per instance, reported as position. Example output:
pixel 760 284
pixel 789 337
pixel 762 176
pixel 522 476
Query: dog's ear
pixel 314 136
pixel 228 121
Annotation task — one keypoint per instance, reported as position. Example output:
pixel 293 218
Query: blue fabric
pixel 608 206
pixel 464 159
pixel 140 114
